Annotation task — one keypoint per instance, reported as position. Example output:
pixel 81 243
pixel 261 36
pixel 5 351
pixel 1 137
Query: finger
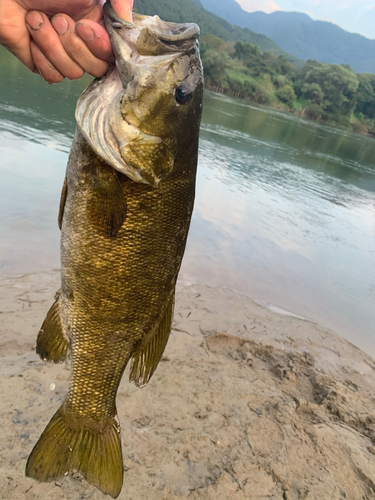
pixel 123 9
pixel 96 39
pixel 46 69
pixel 76 48
pixel 48 41
pixel 96 14
pixel 13 32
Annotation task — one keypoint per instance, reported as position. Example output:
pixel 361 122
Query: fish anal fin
pixel 146 359
pixel 94 452
pixel 106 206
pixel 52 344
pixel 64 194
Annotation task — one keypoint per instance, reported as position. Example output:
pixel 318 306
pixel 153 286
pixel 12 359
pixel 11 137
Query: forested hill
pixel 240 63
pixel 182 11
pixel 298 34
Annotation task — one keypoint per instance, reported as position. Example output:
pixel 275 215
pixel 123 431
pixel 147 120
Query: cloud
pixel 267 6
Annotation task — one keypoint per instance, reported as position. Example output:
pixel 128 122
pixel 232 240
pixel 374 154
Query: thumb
pixel 123 9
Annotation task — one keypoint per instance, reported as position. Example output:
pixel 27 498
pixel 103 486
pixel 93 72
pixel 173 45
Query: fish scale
pixel 125 213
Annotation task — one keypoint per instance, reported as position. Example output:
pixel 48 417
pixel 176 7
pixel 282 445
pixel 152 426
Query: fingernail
pixel 85 32
pixel 60 24
pixel 123 10
pixel 34 20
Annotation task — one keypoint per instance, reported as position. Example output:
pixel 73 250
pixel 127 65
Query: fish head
pixel 147 109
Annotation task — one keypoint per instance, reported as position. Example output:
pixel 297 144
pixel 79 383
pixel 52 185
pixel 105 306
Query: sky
pixel 357 16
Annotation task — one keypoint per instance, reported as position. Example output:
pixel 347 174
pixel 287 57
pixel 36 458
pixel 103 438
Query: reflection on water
pixel 284 212
pixel 36 130
pixel 33 110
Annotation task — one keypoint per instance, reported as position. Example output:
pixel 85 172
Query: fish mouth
pixel 150 36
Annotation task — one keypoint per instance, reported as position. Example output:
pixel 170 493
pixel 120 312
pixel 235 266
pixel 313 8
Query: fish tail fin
pixel 64 448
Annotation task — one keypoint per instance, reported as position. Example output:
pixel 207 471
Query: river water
pixel 285 209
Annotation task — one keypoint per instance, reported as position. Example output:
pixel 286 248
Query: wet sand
pixel 245 404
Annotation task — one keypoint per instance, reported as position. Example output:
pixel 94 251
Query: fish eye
pixel 183 93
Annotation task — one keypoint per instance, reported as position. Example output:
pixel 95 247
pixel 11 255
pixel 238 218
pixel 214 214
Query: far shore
pixel 300 112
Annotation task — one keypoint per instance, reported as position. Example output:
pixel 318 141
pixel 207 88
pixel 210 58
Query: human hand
pixel 72 42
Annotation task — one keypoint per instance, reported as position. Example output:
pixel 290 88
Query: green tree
pixel 313 92
pixel 265 91
pixel 280 81
pixel 215 65
pixel 216 44
pixel 287 95
pixel 339 85
pixel 244 51
pixel 366 95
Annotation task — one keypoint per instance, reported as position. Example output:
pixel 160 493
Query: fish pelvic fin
pixel 146 359
pixel 52 344
pixel 94 452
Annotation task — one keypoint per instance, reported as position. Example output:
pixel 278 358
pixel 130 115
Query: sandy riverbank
pixel 246 404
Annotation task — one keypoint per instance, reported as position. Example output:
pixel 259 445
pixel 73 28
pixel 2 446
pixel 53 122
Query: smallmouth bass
pixel 125 212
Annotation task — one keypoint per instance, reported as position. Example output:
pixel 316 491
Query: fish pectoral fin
pixel 65 447
pixel 64 194
pixel 146 359
pixel 106 207
pixel 150 156
pixel 52 344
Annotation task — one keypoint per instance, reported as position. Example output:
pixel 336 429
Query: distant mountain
pixel 198 2
pixel 298 34
pixel 193 11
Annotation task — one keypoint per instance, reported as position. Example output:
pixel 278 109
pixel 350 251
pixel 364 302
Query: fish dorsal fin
pixel 146 359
